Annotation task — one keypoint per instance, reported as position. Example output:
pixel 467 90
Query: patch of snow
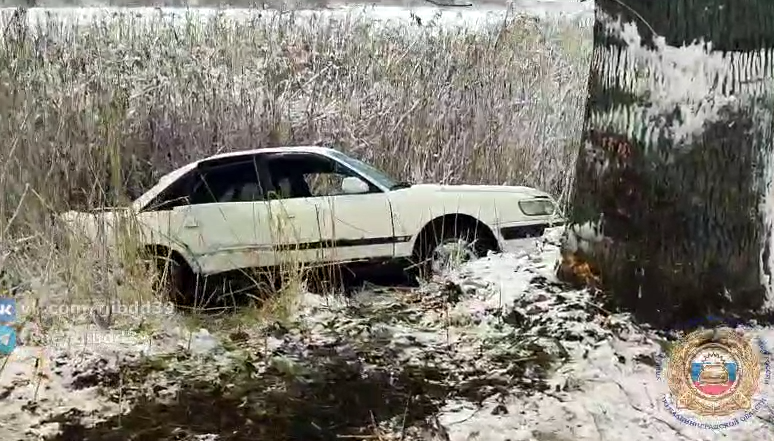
pixel 49 374
pixel 202 343
pixel 579 237
pixel 26 387
pixel 476 328
pixel 605 393
pixel 479 15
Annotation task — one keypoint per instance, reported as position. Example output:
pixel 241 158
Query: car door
pixel 293 211
pixel 349 226
pixel 294 231
pixel 357 227
pixel 226 225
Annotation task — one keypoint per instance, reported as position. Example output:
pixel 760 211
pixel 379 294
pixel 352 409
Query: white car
pixel 316 206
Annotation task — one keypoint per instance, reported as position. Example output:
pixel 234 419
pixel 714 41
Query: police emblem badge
pixel 714 373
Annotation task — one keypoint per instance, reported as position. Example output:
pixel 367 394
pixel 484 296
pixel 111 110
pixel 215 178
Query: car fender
pixel 101 227
pixel 413 212
pixel 180 249
pixel 152 235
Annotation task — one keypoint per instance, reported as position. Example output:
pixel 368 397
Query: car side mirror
pixel 353 185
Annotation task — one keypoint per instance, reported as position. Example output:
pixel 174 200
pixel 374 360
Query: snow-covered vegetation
pixel 93 110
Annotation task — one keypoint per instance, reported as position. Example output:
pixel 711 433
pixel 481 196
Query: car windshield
pixel 366 169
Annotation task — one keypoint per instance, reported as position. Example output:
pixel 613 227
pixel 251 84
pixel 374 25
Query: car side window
pixel 303 175
pixel 234 182
pixel 175 195
pixel 325 184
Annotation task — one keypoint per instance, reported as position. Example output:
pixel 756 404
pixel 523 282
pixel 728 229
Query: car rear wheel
pixel 171 279
pixel 454 245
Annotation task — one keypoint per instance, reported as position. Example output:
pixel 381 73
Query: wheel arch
pixel 458 219
pixel 171 252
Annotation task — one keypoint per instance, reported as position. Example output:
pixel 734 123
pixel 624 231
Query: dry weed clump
pixel 91 116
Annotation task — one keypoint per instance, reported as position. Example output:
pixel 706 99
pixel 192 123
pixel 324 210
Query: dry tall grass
pixel 92 116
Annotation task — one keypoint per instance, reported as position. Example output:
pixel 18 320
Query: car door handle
pixel 190 223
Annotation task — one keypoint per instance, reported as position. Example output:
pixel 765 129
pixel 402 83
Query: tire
pixel 172 280
pixel 475 241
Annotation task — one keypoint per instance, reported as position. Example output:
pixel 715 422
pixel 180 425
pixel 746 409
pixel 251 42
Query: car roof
pixel 177 173
pixel 286 149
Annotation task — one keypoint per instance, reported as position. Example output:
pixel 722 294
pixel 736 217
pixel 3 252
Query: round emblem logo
pixel 717 374
pixel 713 371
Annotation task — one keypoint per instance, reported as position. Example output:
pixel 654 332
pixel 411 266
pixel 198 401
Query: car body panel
pixel 358 226
pixel 220 236
pixel 494 206
pixel 230 236
pixel 295 236
pixel 124 227
pixel 168 229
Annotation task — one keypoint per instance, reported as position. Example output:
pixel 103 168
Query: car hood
pixel 525 191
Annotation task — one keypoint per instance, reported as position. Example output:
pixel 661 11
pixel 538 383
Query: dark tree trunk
pixel 670 213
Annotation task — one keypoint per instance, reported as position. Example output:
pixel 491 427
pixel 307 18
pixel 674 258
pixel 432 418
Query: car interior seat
pixel 291 187
pixel 250 192
pixel 299 187
pixel 283 188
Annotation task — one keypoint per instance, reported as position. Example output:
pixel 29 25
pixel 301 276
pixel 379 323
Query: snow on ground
pixel 607 389
pixel 494 351
pixel 38 381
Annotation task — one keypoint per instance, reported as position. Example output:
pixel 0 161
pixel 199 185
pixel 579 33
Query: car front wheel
pixel 445 250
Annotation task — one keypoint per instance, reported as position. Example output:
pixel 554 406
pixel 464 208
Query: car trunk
pixel 96 225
